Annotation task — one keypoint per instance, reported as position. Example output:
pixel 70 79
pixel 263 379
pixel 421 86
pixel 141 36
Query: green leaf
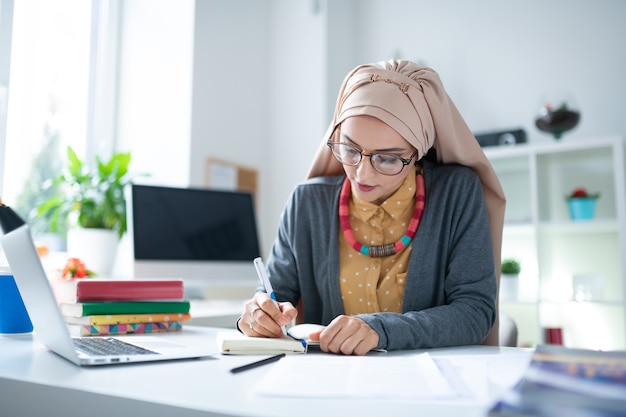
pixel 95 197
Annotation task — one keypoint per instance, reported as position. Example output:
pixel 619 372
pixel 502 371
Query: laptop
pixel 50 326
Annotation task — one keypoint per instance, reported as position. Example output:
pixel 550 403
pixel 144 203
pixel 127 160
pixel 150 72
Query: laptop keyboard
pixel 105 346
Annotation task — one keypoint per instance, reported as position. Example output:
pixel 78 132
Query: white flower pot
pixel 97 248
pixel 509 287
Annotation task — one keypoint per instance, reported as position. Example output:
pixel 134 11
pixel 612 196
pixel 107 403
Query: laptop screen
pixel 192 224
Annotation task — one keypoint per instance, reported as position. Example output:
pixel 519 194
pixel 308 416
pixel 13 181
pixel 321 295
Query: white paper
pixel 482 377
pixel 223 176
pixel 376 376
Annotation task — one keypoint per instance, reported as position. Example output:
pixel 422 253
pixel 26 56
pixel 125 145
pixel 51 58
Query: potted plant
pixel 582 204
pixel 510 266
pixel 509 278
pixel 91 202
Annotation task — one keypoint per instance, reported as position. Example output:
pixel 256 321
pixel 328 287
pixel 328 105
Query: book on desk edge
pixel 97 320
pixel 114 289
pixel 124 329
pixel 569 382
pixel 78 309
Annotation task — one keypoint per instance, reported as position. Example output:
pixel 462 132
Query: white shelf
pixel 555 147
pixel 596 226
pixel 574 304
pixel 553 249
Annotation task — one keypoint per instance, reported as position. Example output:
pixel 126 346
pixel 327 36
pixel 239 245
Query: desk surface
pixel 34 381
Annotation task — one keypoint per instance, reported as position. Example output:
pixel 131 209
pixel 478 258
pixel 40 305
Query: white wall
pixel 297 99
pixel 266 73
pixel 247 105
pixel 155 85
pixel 497 58
pixel 231 89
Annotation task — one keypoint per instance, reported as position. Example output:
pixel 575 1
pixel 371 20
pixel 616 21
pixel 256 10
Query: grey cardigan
pixel 450 294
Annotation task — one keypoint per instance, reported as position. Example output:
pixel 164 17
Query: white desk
pixel 215 312
pixel 36 382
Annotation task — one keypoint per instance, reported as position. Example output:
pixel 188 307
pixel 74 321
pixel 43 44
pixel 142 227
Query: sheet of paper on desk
pixel 376 376
pixel 481 377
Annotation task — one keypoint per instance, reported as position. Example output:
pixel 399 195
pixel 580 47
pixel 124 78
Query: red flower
pixel 75 268
pixel 581 192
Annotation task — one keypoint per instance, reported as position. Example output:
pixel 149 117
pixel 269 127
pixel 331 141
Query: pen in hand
pixel 257 363
pixel 265 282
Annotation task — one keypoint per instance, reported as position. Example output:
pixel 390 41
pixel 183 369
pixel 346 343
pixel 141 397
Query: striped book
pixel 124 329
pixel 98 320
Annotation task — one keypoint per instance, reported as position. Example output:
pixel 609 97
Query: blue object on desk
pixel 13 315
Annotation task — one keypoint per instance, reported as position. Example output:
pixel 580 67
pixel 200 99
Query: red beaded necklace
pixel 389 248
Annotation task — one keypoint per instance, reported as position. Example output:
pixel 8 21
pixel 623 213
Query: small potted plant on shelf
pixel 510 266
pixel 582 204
pixel 509 278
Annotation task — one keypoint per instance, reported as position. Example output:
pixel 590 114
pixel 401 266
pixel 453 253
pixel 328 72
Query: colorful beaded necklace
pixel 389 248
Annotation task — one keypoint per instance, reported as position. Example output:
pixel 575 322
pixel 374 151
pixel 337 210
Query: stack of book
pixel 99 307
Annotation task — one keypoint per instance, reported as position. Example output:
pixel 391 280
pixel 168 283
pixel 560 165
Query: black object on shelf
pixel 501 138
pixel 557 121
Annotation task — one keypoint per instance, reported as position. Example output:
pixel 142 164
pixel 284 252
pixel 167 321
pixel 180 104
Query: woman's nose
pixel 365 168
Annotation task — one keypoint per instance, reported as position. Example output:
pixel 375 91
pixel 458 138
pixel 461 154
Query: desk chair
pixel 507 330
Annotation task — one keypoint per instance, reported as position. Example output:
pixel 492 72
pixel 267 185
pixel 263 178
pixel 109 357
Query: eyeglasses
pixel 382 163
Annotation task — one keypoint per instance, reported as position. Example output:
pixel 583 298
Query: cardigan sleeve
pixel 303 263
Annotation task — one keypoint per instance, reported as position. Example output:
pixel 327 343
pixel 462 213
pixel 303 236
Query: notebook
pixel 233 343
pixel 51 329
pixel 296 341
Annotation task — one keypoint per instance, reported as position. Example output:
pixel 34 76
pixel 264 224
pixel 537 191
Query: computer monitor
pixel 207 237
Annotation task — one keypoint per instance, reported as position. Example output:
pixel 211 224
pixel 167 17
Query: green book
pixel 123 307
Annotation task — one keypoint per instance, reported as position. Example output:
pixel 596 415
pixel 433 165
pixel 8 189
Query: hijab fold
pixel 411 99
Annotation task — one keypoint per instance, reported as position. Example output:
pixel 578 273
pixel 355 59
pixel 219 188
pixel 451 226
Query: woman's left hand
pixel 347 335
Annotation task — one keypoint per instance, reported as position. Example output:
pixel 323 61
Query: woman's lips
pixel 365 188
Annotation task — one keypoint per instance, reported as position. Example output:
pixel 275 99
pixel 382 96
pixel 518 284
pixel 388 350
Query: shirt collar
pixel 393 206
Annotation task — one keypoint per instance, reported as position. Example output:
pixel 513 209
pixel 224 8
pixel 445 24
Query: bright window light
pixel 48 94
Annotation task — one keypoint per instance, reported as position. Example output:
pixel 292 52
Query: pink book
pixel 112 289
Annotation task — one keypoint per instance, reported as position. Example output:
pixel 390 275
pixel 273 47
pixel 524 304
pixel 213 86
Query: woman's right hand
pixel 262 318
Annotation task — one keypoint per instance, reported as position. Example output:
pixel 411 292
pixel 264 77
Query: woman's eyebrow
pixel 347 138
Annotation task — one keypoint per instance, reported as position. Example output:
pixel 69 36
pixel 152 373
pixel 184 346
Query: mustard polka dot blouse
pixel 372 285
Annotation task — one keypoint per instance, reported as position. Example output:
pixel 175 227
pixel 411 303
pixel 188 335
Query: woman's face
pixel 370 135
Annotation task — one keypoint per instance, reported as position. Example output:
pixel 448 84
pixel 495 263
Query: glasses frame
pixel 405 161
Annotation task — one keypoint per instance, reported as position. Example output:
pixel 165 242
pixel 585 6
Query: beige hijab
pixel 411 99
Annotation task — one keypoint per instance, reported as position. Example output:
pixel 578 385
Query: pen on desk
pixel 257 363
pixel 265 281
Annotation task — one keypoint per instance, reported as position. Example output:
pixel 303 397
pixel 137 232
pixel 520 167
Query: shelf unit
pixel 573 271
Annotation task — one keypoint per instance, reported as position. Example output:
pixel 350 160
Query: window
pixel 56 80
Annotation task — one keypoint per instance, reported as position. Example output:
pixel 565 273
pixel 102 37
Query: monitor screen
pixel 205 235
pixel 193 224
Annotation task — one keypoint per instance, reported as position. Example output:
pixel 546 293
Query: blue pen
pixel 265 282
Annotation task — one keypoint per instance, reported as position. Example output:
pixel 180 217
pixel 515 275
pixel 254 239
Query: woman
pixel 383 246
